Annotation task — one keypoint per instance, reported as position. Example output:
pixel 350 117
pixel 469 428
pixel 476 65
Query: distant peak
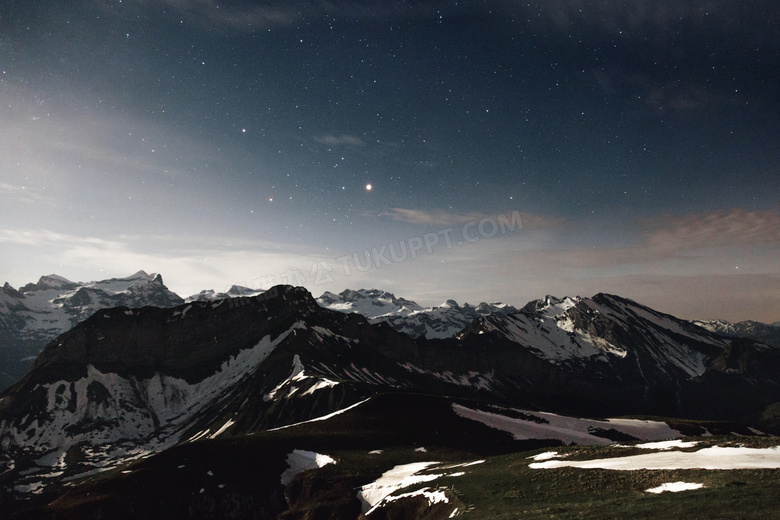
pixel 550 305
pixel 8 289
pixel 50 281
pixel 352 295
pixel 53 278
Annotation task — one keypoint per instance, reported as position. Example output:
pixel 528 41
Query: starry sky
pixel 481 151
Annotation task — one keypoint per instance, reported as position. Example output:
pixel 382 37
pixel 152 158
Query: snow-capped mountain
pixel 234 291
pixel 371 303
pixel 408 317
pixel 612 354
pixel 126 383
pixel 38 312
pixel 755 330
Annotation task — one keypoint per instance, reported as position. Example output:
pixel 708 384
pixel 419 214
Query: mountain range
pixel 769 334
pixel 274 405
pixel 406 316
pixel 36 313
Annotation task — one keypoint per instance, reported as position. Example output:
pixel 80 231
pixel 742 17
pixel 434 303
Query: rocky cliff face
pixel 38 312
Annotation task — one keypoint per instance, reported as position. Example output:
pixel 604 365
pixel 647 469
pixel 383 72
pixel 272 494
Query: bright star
pixel 368 187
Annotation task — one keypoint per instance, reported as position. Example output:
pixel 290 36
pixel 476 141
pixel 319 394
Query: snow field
pixel 570 430
pixel 712 458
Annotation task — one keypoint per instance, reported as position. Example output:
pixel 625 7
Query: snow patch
pixel 302 460
pixel 322 418
pixel 547 455
pixel 667 445
pixel 433 497
pixel 674 487
pixel 299 375
pixel 399 477
pixel 375 495
pixel 225 426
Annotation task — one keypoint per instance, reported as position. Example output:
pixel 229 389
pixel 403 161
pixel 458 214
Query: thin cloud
pixel 691 238
pixel 444 218
pixel 209 14
pixel 737 227
pixel 646 18
pixel 23 194
pixel 437 218
pixel 661 96
pixel 188 264
pixel 248 17
pixel 340 140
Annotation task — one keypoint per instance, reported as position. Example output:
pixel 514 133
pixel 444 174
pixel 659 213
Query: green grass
pixel 505 487
pixel 245 475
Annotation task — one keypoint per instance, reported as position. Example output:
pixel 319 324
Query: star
pixel 369 187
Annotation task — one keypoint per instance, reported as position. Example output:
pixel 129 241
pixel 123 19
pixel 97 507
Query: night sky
pixel 254 143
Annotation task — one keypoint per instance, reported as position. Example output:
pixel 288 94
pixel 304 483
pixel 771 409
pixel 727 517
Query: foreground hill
pixel 412 456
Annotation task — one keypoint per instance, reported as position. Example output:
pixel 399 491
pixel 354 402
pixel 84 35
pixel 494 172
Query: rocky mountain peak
pixel 51 281
pixel 10 291
pixel 550 305
pixel 39 312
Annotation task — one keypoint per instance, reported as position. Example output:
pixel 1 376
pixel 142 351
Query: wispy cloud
pixel 433 218
pixel 737 227
pixel 662 95
pixel 24 194
pixel 188 264
pixel 244 16
pixel 252 16
pixel 340 140
pixel 671 238
pixel 445 218
pixel 621 17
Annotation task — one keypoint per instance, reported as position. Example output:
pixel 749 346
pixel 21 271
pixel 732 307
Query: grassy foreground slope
pixel 452 468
